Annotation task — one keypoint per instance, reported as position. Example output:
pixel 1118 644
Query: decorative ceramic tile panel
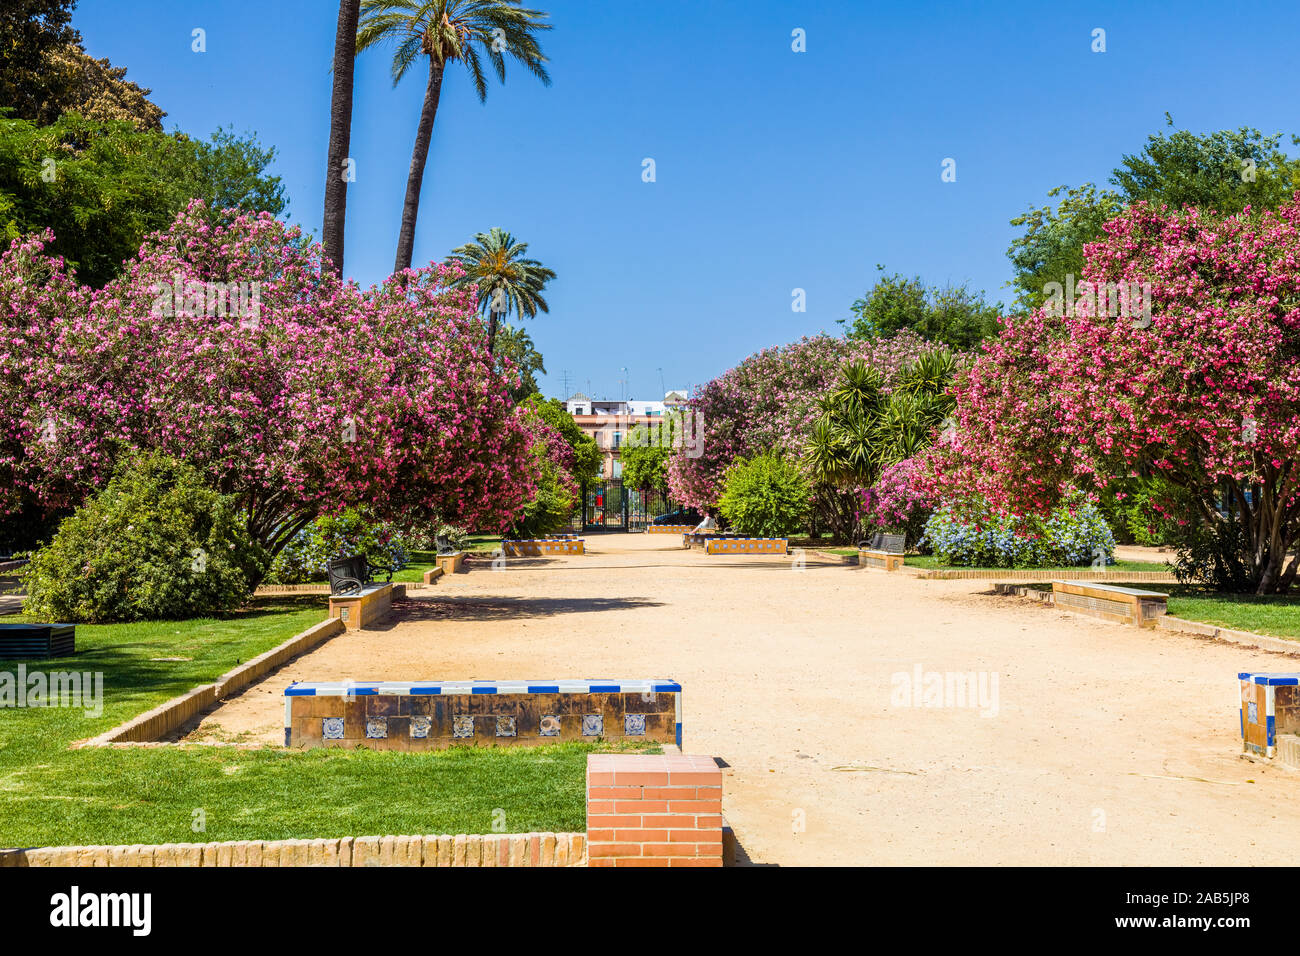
pixel 427 715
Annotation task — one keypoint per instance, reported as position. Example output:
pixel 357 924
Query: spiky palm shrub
pixel 865 426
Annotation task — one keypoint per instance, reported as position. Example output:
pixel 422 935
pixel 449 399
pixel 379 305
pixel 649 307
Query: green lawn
pixel 413 572
pixel 50 795
pixel 930 561
pixel 1274 616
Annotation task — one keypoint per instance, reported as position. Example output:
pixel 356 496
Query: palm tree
pixel 445 31
pixel 336 186
pixel 507 282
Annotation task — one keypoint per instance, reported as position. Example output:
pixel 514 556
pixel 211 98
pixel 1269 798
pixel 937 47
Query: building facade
pixel 608 421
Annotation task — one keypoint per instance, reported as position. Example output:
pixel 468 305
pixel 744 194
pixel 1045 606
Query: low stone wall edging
pixel 166 717
pixel 474 849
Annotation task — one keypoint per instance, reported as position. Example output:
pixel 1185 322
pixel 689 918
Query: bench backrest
pixel 344 571
pixel 889 543
pixel 443 544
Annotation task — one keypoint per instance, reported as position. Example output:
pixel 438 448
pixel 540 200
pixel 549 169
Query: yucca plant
pixel 863 429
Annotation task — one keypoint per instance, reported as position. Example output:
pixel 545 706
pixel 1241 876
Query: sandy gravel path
pixel 1109 745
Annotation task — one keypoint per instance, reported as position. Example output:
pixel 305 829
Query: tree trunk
pixel 336 187
pixel 493 320
pixel 415 178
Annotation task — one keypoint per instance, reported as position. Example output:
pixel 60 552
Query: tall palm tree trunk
pixel 336 187
pixel 415 178
pixel 493 319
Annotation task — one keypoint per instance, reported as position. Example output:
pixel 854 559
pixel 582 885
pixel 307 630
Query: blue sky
pixel 775 170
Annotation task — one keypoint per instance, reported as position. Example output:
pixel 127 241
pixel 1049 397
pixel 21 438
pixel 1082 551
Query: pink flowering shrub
pixel 1205 395
pixel 898 502
pixel 769 401
pixel 316 396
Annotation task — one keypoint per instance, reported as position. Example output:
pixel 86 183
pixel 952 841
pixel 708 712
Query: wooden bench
pixel 37 640
pixel 427 715
pixel 536 547
pixel 1270 715
pixel 883 551
pixel 746 546
pixel 1110 602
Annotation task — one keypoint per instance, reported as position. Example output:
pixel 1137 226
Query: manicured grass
pixel 1271 616
pixel 852 551
pixel 930 561
pixel 50 795
pixel 1274 616
pixel 413 572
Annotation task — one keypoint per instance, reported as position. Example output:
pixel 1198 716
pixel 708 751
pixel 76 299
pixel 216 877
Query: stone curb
pixel 1042 576
pixel 161 720
pixel 474 849
pixel 1179 625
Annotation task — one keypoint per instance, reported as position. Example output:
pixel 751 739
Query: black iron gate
pixel 607 505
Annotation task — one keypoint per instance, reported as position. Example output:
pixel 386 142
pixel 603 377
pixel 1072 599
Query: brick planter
pixel 653 810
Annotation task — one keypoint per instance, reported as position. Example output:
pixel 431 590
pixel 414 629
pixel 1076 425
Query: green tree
pixel 508 281
pixel 587 456
pixel 517 345
pixel 1225 170
pixel 766 496
pixel 646 453
pixel 952 315
pixel 103 186
pixel 45 72
pixel 445 31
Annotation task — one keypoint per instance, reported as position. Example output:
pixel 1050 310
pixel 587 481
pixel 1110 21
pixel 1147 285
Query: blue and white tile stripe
pixel 354 688
pixel 348 688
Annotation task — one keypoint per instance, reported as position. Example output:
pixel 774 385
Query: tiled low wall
pixel 1270 711
pixel 434 715
pixel 668 528
pixel 883 560
pixel 1110 602
pixel 487 849
pixel 372 605
pixel 535 547
pixel 653 810
pixel 697 539
pixel 450 563
pixel 746 546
